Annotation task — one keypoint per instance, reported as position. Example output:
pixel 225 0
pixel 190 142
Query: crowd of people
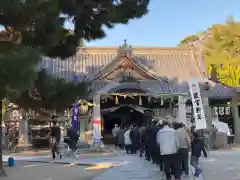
pixel 166 145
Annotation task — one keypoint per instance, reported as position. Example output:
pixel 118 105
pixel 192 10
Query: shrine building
pixel 150 70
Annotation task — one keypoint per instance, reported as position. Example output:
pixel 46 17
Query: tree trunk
pixel 2 172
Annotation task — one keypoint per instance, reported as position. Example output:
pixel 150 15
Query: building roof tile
pixel 175 65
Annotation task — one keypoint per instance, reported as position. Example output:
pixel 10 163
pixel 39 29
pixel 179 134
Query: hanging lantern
pixel 149 99
pixel 83 109
pixel 162 101
pixel 116 100
pixel 140 101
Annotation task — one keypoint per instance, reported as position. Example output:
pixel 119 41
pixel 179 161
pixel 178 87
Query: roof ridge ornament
pixel 125 49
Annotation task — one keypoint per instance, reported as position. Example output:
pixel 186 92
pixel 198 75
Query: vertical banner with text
pixel 75 117
pixel 198 110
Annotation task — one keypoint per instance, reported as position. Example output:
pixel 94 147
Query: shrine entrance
pixel 132 103
pixel 121 110
pixel 123 116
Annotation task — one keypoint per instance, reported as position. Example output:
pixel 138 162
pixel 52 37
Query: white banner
pixel 198 110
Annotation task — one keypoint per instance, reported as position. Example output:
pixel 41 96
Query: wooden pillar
pixel 182 116
pixel 207 112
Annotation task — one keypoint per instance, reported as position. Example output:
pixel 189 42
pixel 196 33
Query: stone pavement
pixel 83 158
pixel 221 165
pixel 27 153
pixel 134 169
pixel 48 171
pixel 25 158
pixel 111 160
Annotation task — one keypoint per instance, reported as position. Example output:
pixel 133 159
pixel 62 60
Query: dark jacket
pixel 198 146
pixel 135 136
pixel 56 133
pixel 143 131
pixel 120 136
pixel 152 137
pixel 72 134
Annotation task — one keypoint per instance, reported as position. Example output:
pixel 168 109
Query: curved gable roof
pixel 117 61
pixel 180 63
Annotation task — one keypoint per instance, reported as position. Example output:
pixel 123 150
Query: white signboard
pixel 221 111
pixel 198 110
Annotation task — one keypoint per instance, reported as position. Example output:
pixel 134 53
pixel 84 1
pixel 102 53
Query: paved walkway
pixel 45 156
pixel 109 159
pixel 88 160
pixel 221 165
pixel 48 171
pixel 134 169
pixel 25 158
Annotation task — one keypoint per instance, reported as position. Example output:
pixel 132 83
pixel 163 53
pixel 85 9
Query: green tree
pixel 189 39
pixel 36 27
pixel 40 24
pixel 222 49
pixel 18 67
pixel 221 46
pixel 48 93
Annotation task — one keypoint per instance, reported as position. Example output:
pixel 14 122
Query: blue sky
pixel 170 21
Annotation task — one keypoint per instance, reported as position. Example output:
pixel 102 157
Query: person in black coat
pixel 142 139
pixel 146 143
pixel 135 138
pixel 159 157
pixel 73 136
pixel 55 134
pixel 197 147
pixel 154 151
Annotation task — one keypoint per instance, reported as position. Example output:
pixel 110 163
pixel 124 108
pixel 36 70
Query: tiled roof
pixel 177 65
pixel 169 62
pixel 135 61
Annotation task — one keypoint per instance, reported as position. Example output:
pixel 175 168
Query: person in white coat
pixel 127 141
pixel 168 141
